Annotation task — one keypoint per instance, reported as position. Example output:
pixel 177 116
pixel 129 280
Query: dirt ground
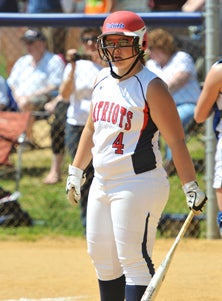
pixel 61 269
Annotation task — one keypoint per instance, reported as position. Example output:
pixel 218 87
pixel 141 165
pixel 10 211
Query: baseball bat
pixel 70 196
pixel 159 276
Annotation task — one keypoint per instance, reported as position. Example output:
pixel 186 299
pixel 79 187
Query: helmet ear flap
pixel 145 41
pixel 136 45
pixel 103 53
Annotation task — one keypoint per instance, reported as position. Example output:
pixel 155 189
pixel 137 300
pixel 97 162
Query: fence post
pixel 212 50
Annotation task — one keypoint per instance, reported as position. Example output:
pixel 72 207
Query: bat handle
pixel 154 285
pixel 70 196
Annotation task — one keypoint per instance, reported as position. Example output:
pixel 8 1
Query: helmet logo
pixel 115 25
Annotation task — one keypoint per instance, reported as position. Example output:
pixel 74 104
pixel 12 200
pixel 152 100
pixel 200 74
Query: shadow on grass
pixel 36 171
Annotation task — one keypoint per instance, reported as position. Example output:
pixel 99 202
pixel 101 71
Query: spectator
pixel 166 5
pixel 76 89
pixel 193 5
pixel 56 36
pixel 132 5
pixel 68 6
pixel 210 98
pixel 98 6
pixel 9 6
pixel 36 75
pixel 196 33
pixel 46 6
pixel 58 107
pixel 177 69
pixel 79 78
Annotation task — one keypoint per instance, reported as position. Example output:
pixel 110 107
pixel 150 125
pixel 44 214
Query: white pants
pixel 122 219
pixel 218 166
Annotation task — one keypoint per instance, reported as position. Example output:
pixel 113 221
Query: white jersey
pixel 218 158
pixel 126 140
pixel 219 105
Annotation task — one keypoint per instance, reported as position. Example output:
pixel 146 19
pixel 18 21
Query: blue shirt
pixel 43 6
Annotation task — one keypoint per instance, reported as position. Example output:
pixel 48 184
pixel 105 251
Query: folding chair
pixel 13 127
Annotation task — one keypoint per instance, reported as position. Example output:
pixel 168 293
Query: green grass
pixel 48 206
pixel 51 212
pixel 3 71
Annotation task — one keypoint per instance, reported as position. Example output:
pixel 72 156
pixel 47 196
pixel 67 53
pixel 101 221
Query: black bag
pixel 11 213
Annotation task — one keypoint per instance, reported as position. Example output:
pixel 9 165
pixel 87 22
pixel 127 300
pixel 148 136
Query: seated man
pixel 37 75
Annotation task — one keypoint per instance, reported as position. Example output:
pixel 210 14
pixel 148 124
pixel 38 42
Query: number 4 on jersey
pixel 118 144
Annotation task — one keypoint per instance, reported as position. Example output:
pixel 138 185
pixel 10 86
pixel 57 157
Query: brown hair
pixel 162 39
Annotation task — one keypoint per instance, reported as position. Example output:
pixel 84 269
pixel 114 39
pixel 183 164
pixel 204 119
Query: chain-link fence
pixel 41 205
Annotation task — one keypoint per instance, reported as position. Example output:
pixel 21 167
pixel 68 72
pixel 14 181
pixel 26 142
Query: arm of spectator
pixel 27 102
pixel 111 5
pixel 25 98
pixel 178 81
pixel 50 106
pixel 211 89
pixel 45 91
pixel 67 87
pixel 193 6
pixel 24 6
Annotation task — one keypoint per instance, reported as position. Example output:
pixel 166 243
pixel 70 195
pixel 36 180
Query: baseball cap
pixel 33 35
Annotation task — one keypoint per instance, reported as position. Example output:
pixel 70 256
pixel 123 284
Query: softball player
pixel 211 95
pixel 130 105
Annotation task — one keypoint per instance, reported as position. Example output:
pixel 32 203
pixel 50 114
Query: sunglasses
pixel 91 39
pixel 123 42
pixel 29 42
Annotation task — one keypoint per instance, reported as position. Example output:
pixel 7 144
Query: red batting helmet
pixel 126 23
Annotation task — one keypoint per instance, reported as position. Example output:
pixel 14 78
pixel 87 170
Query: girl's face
pixel 120 49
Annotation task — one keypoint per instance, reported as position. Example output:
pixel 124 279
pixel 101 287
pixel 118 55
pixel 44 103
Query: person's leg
pixel 135 292
pixel 72 137
pixel 58 143
pixel 101 245
pixel 54 174
pixel 135 210
pixel 111 290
